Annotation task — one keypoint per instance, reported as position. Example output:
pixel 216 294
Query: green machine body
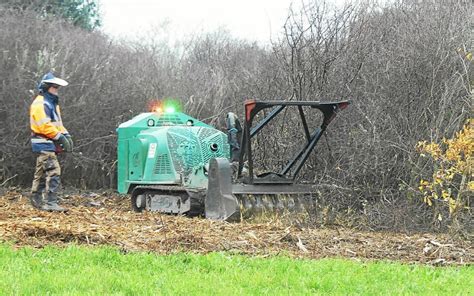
pixel 167 151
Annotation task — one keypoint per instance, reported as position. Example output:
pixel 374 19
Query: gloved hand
pixel 71 143
pixel 64 143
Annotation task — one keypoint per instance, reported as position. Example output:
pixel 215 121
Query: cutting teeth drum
pixel 256 205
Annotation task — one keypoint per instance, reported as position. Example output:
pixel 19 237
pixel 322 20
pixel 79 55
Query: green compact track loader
pixel 173 163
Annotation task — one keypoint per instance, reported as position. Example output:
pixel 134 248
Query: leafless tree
pixel 403 64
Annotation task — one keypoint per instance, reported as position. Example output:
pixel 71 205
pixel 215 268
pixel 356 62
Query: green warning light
pixel 171 106
pixel 170 109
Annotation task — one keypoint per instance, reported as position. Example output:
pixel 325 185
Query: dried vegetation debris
pixel 107 220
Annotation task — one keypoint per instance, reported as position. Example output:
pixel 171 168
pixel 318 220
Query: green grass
pixel 98 271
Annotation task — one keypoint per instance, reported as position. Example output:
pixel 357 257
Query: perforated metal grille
pixel 162 165
pixel 205 133
pixel 183 148
pixel 220 141
pixel 190 147
pixel 209 137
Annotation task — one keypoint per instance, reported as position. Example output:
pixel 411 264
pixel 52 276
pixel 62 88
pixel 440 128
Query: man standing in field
pixel 48 138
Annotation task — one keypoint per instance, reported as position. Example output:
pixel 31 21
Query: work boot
pixel 36 199
pixel 52 204
pixel 53 208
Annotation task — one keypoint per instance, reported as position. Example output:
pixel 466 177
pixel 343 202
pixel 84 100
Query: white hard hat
pixel 49 78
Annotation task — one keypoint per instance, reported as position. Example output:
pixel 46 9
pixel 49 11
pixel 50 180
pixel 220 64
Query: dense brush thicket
pixel 405 66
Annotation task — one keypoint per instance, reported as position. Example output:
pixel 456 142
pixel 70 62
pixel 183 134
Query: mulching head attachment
pixel 224 197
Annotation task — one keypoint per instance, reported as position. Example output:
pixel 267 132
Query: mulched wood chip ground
pixel 106 219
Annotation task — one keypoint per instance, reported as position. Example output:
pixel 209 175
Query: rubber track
pixel 197 199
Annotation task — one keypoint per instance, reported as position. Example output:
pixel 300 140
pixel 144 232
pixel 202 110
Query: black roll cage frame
pixel 253 107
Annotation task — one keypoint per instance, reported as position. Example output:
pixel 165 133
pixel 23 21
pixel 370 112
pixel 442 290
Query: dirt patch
pixel 106 219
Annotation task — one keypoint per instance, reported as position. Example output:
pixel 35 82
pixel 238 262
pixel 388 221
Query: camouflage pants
pixel 47 173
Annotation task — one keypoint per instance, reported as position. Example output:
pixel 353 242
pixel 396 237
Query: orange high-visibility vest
pixel 45 123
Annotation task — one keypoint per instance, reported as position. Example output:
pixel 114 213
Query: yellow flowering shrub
pixel 452 180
